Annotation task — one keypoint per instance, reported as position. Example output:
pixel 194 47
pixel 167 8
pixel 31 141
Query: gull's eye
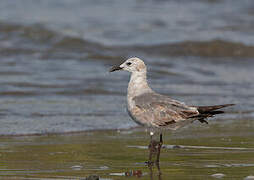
pixel 128 63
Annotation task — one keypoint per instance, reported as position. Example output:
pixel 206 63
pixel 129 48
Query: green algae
pixel 117 154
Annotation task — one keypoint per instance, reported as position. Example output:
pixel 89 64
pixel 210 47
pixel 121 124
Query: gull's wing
pixel 158 110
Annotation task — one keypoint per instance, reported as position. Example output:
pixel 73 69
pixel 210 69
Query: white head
pixel 133 65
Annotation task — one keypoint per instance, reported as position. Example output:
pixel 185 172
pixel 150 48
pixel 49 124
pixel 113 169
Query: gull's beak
pixel 115 68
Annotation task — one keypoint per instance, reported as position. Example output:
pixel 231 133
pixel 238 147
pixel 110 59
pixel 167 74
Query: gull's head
pixel 132 65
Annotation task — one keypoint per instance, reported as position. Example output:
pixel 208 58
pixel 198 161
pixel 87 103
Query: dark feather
pixel 204 109
pixel 209 111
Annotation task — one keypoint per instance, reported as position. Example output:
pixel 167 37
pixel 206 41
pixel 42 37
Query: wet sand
pixel 196 152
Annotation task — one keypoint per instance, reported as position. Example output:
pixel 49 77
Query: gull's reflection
pixel 154 150
pixel 151 168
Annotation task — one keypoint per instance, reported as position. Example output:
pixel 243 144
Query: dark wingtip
pixel 229 105
pixel 204 109
pixel 226 105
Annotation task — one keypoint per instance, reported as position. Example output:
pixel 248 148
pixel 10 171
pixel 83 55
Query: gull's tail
pixel 209 111
pixel 205 109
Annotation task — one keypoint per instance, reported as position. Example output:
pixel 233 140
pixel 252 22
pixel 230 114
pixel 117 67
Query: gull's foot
pixel 157 161
pixel 154 149
pixel 149 163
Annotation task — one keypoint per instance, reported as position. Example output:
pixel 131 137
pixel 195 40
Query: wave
pixel 37 40
pixel 213 48
pixel 48 44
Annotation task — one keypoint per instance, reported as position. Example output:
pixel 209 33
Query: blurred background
pixel 55 56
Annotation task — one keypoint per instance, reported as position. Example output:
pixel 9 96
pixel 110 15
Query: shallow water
pixel 54 83
pixel 196 152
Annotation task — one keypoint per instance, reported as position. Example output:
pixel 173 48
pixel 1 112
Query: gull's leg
pixel 159 148
pixel 159 170
pixel 151 149
pixel 151 171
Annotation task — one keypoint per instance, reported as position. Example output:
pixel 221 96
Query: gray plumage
pixel 155 110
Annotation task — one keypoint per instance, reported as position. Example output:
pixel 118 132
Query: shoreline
pixel 72 132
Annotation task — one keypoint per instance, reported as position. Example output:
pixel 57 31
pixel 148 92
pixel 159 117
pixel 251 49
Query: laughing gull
pixel 156 111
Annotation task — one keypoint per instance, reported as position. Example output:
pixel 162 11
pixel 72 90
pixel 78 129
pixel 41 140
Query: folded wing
pixel 161 111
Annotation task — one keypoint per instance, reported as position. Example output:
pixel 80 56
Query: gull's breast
pixel 136 113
